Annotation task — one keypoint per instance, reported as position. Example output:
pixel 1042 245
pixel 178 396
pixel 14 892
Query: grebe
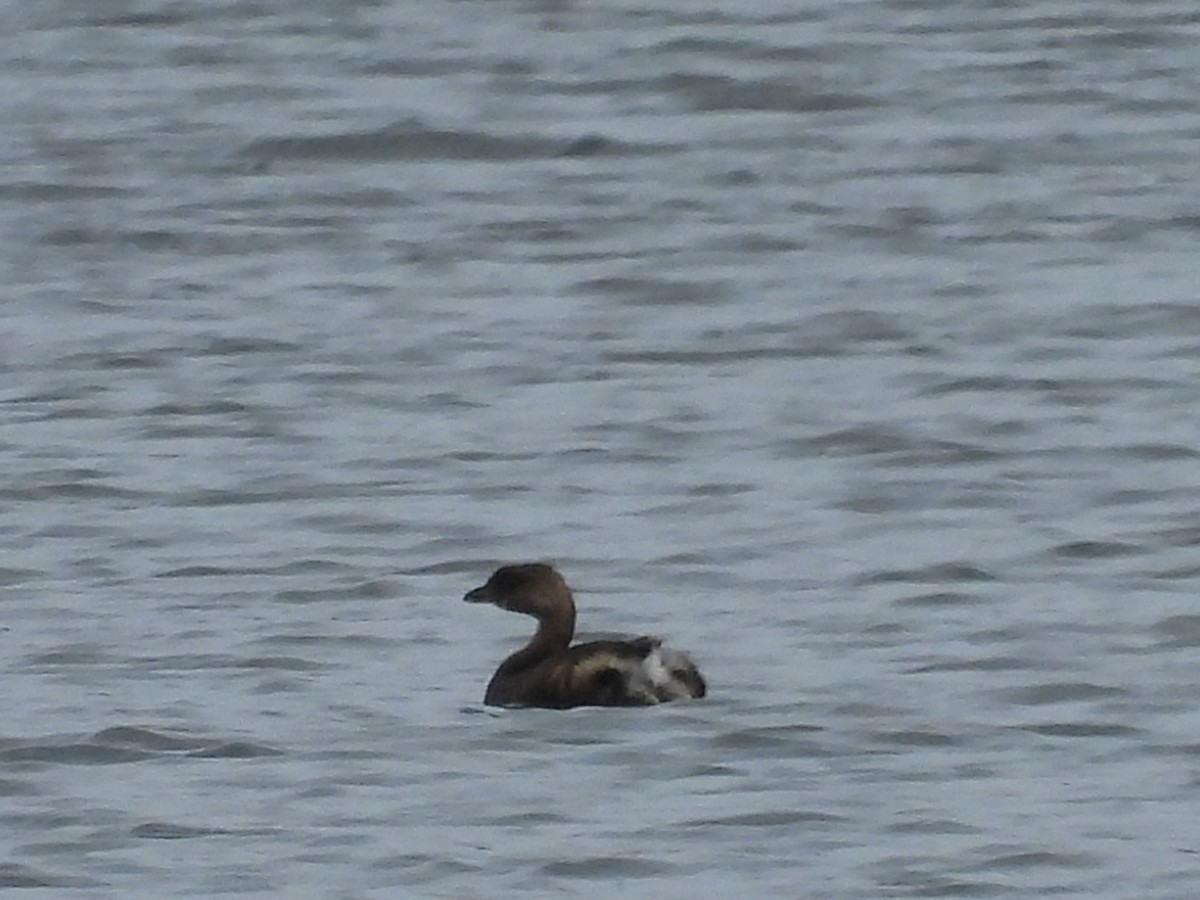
pixel 549 672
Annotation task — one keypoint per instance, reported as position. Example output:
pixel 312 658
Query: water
pixel 852 347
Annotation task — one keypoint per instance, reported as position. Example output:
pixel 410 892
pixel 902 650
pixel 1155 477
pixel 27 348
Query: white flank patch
pixel 655 668
pixel 650 680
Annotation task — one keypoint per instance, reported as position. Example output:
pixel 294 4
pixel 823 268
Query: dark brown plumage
pixel 549 672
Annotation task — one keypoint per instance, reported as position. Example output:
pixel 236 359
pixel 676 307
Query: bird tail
pixel 664 674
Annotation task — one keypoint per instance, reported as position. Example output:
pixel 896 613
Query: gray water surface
pixel 852 346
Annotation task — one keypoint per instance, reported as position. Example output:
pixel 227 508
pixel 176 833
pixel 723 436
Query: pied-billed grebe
pixel 549 672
